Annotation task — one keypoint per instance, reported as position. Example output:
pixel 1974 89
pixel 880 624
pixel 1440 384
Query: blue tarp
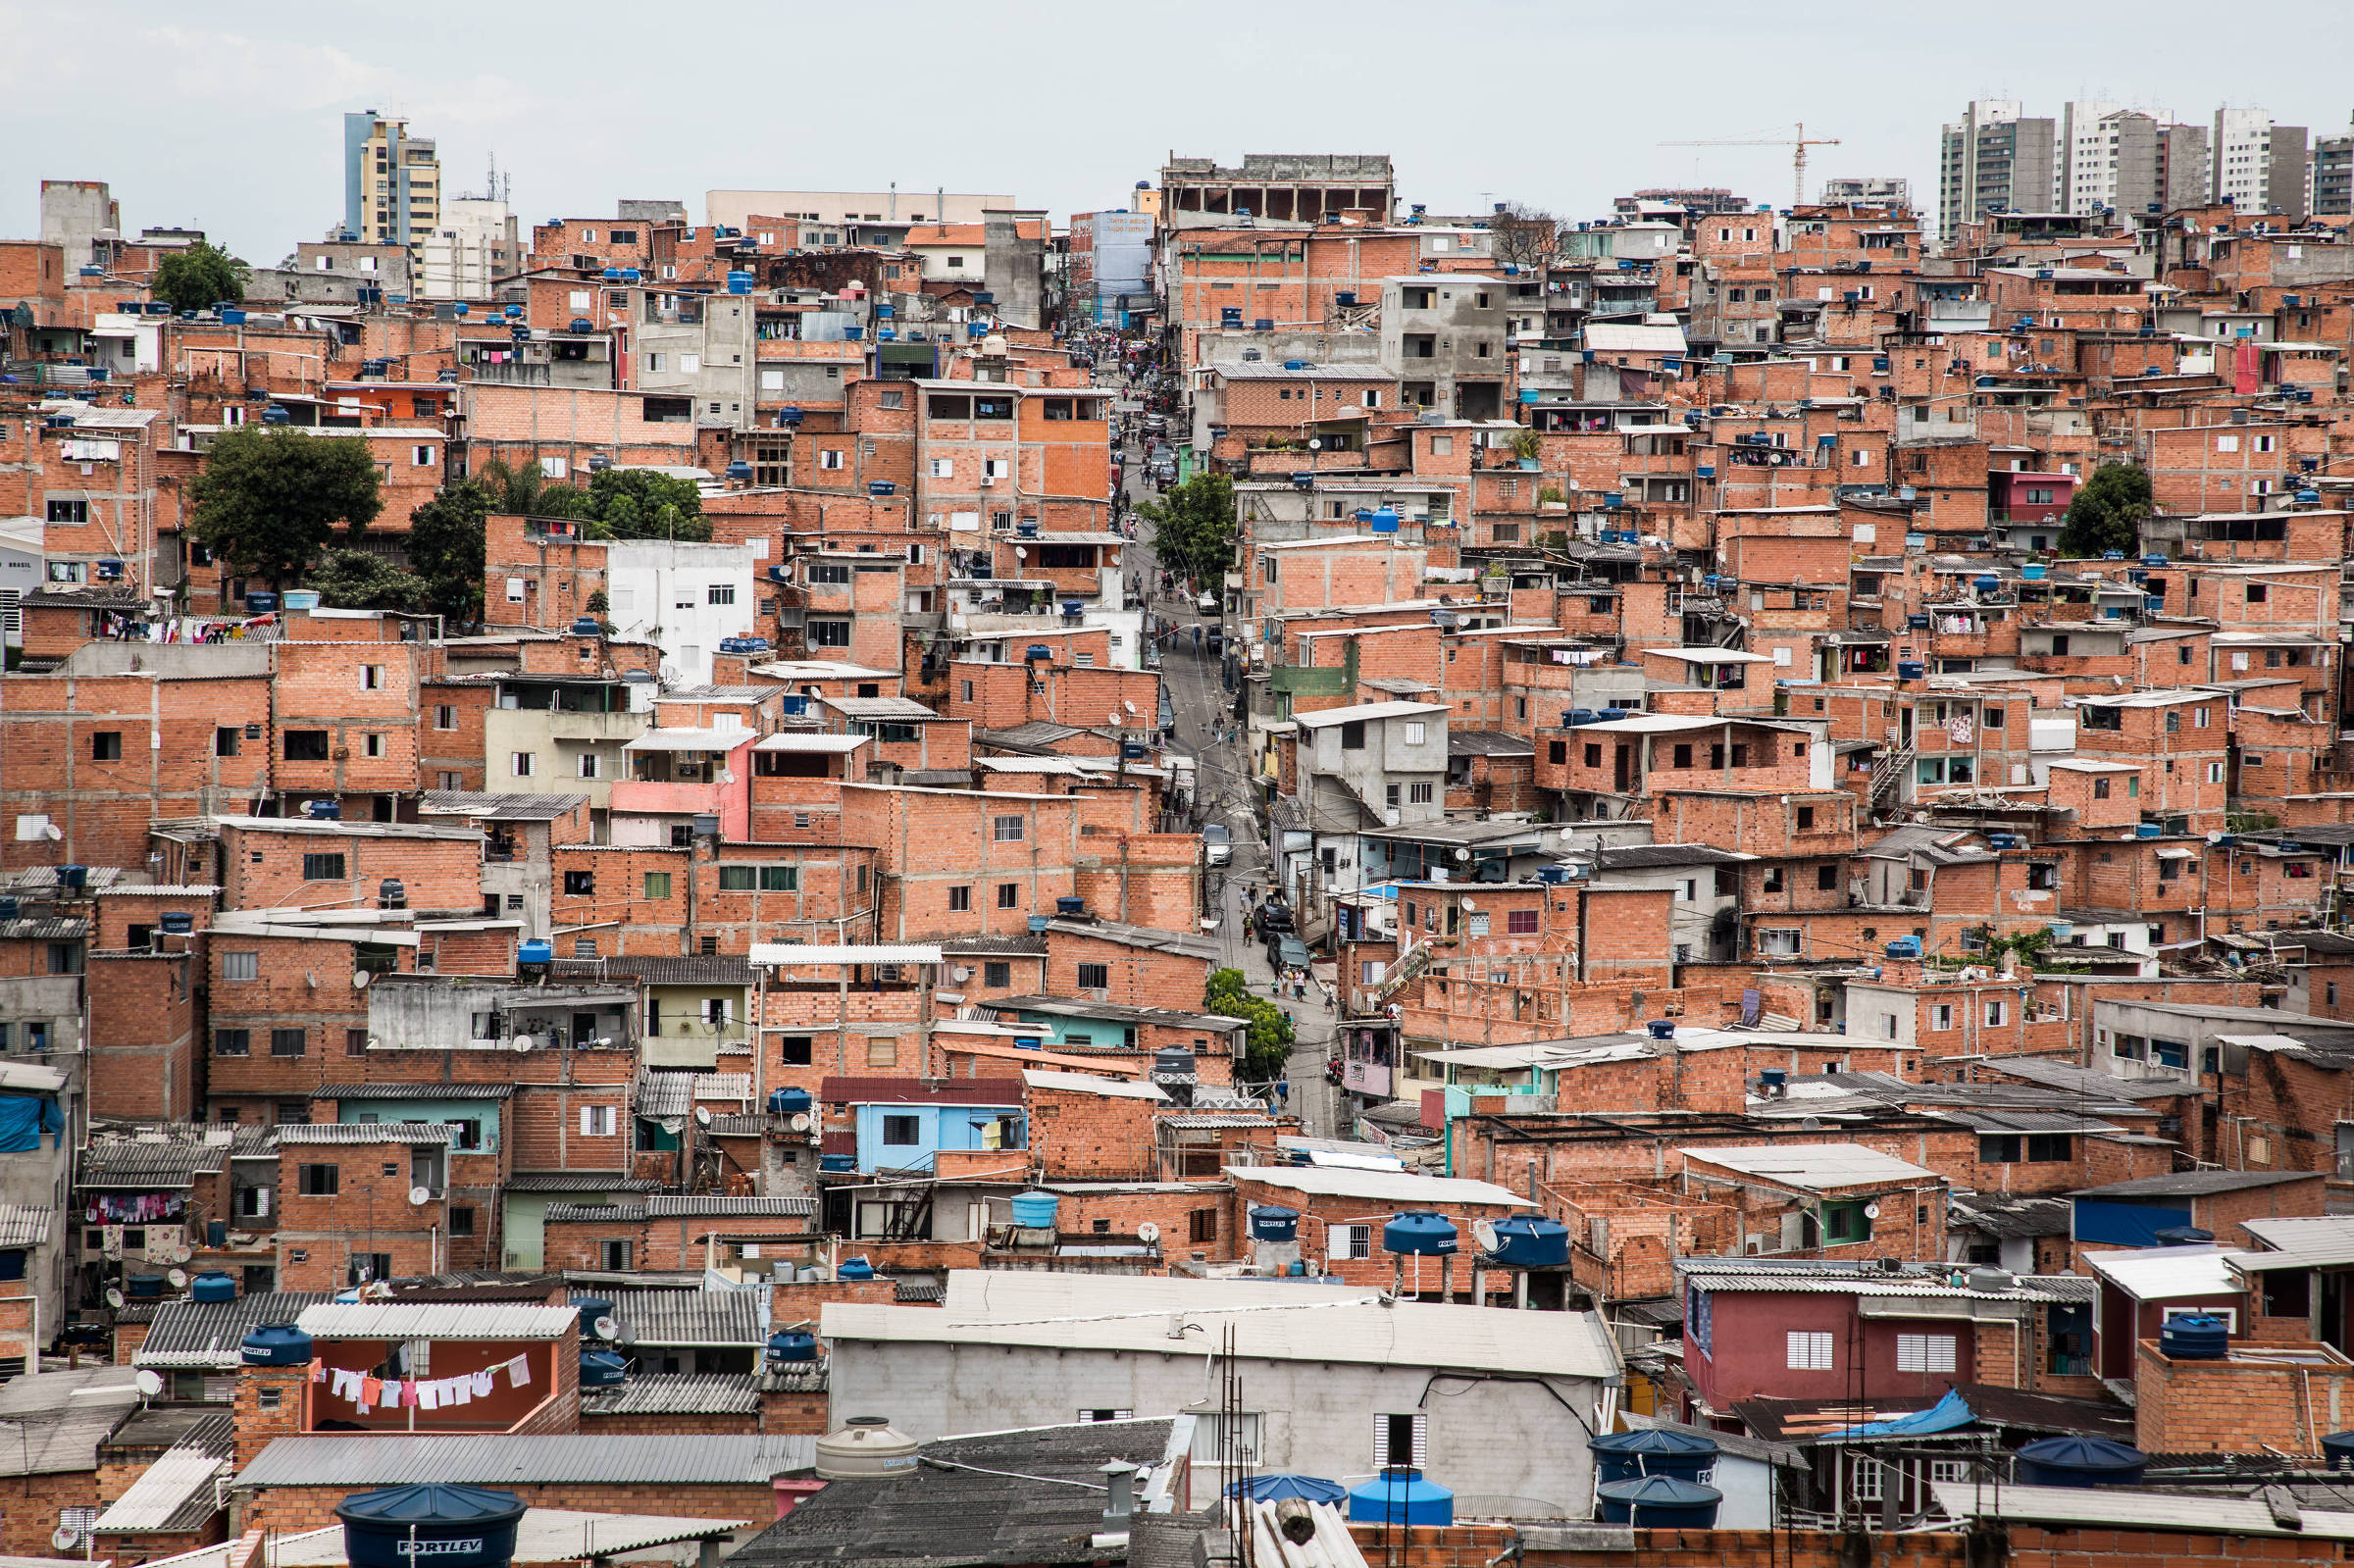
pixel 1945 1415
pixel 2125 1224
pixel 23 1118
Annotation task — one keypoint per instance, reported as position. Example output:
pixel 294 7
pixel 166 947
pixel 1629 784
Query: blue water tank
pixel 2080 1463
pixel 789 415
pixel 2147 829
pixel 2182 1236
pixel 1904 947
pixel 1987 582
pixel 630 274
pixel 1383 521
pixel 586 626
pixel 1660 1502
pixel 1530 1242
pixel 1401 1497
pixel 1660 1029
pixel 1918 622
pixel 538 950
pixel 791 1345
pixel 449 1526
pixel 590 1308
pixel 2338 1449
pixel 789 1102
pixel 612 275
pixel 176 922
pixel 322 810
pixel 1632 1455
pixel 838 1162
pixel 1034 1210
pixel 1418 1232
pixel 602 1369
pixel 857 1268
pixel 881 487
pixel 146 1286
pixel 212 1286
pixel 1273 1486
pixel 2195 1337
pixel 1910 669
pixel 1273 1222
pixel 1571 718
pixel 274 1344
pixel 260 604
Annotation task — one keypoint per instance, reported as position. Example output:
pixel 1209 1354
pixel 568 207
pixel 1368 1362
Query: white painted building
pixel 2241 148
pixel 2087 151
pixel 682 597
pixel 475 243
pixel 1334 1382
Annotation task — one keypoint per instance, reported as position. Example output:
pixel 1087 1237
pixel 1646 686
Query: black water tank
pixel 448 1526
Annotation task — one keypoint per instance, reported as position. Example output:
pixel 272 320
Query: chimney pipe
pixel 1119 1477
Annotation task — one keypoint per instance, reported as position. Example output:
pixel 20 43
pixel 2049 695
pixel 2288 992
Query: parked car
pixel 1274 916
pixel 1286 951
pixel 1217 844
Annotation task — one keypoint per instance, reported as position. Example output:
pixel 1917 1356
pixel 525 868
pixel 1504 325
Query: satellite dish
pixel 799 1122
pixel 150 1382
pixel 523 1043
pixel 178 1277
pixel 1129 706
pixel 964 972
pixel 1112 718
pixel 53 834
pixel 114 1297
pixel 1462 854
pixel 181 1252
pixel 1872 1211
pixel 1484 1233
pixel 1315 444
pixel 65 1538
pixel 702 1116
pixel 419 1196
pixel 1147 1233
pixel 605 1328
pixel 1020 554
pixel 1471 903
pixel 360 978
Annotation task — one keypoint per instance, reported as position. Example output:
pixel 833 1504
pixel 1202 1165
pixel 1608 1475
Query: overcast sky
pixel 227 115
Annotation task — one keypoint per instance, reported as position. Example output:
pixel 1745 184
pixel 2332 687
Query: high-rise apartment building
pixel 2256 164
pixel 2333 177
pixel 2089 155
pixel 1993 160
pixel 391 182
pixel 475 244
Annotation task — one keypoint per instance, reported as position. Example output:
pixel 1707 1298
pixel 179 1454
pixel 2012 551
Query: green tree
pixel 2106 513
pixel 355 580
pixel 268 501
pixel 638 503
pixel 1267 1048
pixel 198 277
pixel 445 549
pixel 1194 527
pixel 526 492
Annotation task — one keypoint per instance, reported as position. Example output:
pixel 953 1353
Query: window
pixel 306 746
pixel 1095 977
pixel 520 764
pixel 319 1181
pixel 1809 1350
pixel 1010 895
pixel 901 1132
pixel 355 1043
pixel 287 1041
pixel 1826 877
pixel 597 1121
pixel 1352 736
pixel 106 745
pixel 719 593
pixel 960 898
pixel 1996 1012
pixel 580 883
pixel 1349 1240
pixel 1924 1352
pixel 461 1220
pixel 241 966
pixel 232 1043
pixel 1400 1440
pixel 1845 1224
pixel 1520 923
pixel 882 1051
pixel 614 1256
pixel 1007 829
pixel 829 458
pixel 323 867
pixel 795 1050
pixel 1201 1225
pixel 583 948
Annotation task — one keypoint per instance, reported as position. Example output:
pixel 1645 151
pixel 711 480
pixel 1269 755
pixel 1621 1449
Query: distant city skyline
pixel 235 126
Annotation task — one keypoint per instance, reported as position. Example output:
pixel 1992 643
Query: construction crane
pixel 1798 145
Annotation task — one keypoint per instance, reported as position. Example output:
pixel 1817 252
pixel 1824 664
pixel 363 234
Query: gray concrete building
pixel 1276 188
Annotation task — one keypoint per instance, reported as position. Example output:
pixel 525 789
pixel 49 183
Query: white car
pixel 1217 844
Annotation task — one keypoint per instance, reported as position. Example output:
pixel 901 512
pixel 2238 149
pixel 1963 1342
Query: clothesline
pixel 368 1393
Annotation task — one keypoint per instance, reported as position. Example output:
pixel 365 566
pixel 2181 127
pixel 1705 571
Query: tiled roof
pixel 857 1090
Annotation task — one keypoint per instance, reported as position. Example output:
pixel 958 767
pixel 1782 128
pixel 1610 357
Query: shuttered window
pixel 1924 1352
pixel 1402 1438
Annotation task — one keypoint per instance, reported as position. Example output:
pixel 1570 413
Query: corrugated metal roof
pixel 1380 1187
pixel 860 1089
pixel 59 1418
pixel 411 1091
pixel 810 955
pixel 436 1320
pixel 501 1459
pixel 23 1226
pixel 1131 1313
pixel 675 1206
pixel 2132 1508
pixel 205 1335
pixel 481 804
pixel 671 1094
pixel 688 1317
pixel 176 1492
pixel 579 1182
pixel 711 1394
pixel 138 1162
pixel 366 1133
pixel 1815 1166
pixel 2167 1273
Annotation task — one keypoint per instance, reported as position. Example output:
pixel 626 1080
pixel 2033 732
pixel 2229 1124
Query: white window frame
pixel 1926 1352
pixel 1347 1242
pixel 597 1121
pixel 1809 1350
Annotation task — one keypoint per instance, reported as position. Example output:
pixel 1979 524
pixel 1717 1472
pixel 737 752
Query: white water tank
pixel 866 1447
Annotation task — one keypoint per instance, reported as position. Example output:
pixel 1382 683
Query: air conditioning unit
pixel 987 482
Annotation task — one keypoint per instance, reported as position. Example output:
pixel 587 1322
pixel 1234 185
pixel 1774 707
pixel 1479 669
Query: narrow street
pixel 1209 733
